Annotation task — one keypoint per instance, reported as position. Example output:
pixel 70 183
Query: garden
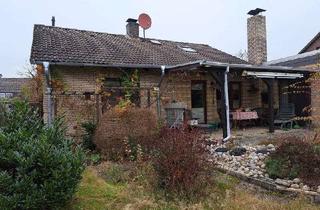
pixel 142 167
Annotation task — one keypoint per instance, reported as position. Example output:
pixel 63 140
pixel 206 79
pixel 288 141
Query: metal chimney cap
pixel 256 11
pixel 131 20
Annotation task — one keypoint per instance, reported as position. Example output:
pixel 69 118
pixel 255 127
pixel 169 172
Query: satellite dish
pixel 144 21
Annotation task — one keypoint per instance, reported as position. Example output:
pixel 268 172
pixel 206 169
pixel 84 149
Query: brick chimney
pixel 132 28
pixel 257 37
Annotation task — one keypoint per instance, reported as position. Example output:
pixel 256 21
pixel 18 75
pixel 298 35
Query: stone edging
pixel 268 185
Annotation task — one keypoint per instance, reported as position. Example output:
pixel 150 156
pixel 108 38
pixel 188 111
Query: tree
pixel 39 167
pixel 242 54
pixel 33 90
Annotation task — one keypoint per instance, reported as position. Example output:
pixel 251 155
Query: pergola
pixel 219 72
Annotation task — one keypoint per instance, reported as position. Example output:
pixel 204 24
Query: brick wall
pixel 315 94
pixel 257 39
pixel 175 87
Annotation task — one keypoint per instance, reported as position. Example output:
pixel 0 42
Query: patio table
pixel 243 116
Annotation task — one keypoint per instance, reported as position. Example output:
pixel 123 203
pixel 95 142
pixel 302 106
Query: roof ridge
pixel 293 57
pixel 123 35
pixel 310 43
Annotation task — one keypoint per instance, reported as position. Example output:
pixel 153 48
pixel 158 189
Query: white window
pixel 6 95
pixel 9 95
pixel 187 49
pixel 155 42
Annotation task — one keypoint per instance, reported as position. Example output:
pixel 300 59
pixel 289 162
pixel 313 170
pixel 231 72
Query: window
pixel 87 96
pixel 187 49
pixel 235 95
pixel 114 92
pixel 112 82
pixel 155 41
pixel 197 95
pixel 6 95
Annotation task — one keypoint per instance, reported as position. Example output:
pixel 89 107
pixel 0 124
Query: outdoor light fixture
pixel 272 75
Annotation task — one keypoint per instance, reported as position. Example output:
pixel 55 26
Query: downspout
pixel 226 95
pixel 163 70
pixel 46 66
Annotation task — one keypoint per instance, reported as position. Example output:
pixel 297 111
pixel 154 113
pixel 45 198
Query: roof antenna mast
pixel 53 21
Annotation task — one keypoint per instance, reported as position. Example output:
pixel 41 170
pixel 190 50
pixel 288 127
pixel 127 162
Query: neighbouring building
pixel 79 63
pixel 314 44
pixel 309 58
pixel 12 87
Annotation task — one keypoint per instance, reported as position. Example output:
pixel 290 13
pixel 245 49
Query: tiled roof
pixel 310 43
pixel 64 45
pixel 300 60
pixel 12 85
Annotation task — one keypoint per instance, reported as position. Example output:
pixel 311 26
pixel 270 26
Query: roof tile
pixel 64 45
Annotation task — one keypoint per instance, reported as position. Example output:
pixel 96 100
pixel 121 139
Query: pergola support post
pixel 270 85
pixel 219 78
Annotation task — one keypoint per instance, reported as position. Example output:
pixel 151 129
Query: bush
pixel 295 157
pixel 180 159
pixel 39 167
pixel 94 159
pixel 87 141
pixel 122 133
pixel 280 168
pixel 2 113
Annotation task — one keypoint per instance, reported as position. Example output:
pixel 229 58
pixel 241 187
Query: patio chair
pixel 285 116
pixel 175 114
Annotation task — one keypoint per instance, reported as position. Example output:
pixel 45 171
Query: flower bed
pixel 248 162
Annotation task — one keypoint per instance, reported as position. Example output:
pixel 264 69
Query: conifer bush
pixel 39 167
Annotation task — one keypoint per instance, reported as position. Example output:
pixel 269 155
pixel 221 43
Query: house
pixel 12 87
pixel 309 58
pixel 207 81
pixel 314 44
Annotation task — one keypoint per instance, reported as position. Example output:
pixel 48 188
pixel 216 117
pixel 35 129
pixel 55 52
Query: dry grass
pixel 241 200
pixel 228 193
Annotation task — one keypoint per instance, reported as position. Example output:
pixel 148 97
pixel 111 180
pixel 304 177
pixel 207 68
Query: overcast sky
pixel 219 23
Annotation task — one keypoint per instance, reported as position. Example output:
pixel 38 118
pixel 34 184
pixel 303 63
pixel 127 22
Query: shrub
pixel 280 168
pixel 180 159
pixel 87 141
pixel 94 159
pixel 39 167
pixel 122 133
pixel 2 113
pixel 296 157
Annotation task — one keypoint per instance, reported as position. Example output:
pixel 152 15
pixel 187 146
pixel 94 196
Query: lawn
pixel 99 191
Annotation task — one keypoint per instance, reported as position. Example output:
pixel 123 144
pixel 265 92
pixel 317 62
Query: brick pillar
pixel 257 39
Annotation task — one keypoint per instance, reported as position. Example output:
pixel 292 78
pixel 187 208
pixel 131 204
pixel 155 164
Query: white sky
pixel 219 23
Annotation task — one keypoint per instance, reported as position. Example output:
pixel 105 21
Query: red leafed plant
pixel 180 159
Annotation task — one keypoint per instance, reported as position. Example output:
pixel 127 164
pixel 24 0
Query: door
pixel 235 95
pixel 198 101
pixel 283 92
